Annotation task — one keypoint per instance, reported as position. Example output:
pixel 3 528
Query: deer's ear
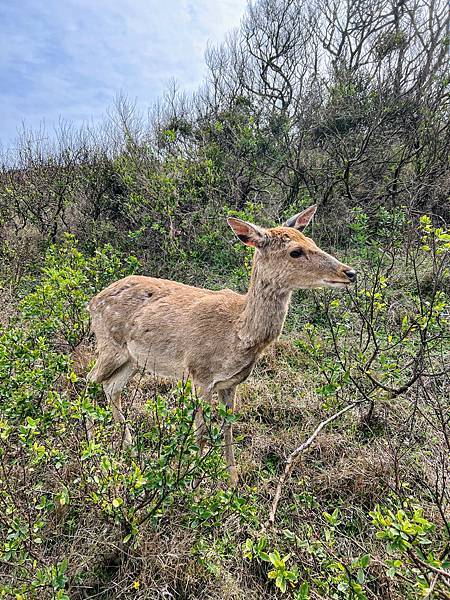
pixel 302 219
pixel 249 234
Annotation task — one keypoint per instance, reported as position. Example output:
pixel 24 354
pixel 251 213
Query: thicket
pixel 340 103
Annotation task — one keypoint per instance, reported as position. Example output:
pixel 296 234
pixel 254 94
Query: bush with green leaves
pixel 416 556
pixel 54 481
pixel 56 307
pixel 390 332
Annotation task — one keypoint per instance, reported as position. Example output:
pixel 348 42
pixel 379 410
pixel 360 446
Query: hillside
pixel 340 104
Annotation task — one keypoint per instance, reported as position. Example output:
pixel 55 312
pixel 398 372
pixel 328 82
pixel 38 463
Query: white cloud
pixel 70 59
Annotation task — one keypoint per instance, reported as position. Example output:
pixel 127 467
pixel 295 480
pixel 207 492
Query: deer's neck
pixel 265 309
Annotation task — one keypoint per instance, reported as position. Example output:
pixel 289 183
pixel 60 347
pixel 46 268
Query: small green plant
pixel 280 573
pixel 415 555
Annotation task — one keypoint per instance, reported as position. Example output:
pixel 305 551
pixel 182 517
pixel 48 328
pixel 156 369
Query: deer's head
pixel 289 258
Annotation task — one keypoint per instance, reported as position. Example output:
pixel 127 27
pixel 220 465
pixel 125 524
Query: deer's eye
pixel 297 253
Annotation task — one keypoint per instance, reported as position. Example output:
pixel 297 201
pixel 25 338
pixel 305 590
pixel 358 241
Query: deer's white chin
pixel 324 283
pixel 335 284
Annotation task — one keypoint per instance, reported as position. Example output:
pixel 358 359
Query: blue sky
pixel 69 58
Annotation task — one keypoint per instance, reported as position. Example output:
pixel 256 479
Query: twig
pixel 292 457
pixel 441 572
pixel 432 586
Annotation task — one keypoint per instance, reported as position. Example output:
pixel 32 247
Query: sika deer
pixel 213 338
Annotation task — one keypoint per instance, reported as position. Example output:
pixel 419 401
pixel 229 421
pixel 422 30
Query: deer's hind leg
pixel 113 387
pixel 110 359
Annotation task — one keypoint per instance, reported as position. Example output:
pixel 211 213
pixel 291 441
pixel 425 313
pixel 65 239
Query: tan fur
pixel 213 338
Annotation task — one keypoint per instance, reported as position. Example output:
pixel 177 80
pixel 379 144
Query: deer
pixel 213 338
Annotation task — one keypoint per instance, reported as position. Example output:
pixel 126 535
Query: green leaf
pixel 364 560
pixel 280 582
pixel 303 592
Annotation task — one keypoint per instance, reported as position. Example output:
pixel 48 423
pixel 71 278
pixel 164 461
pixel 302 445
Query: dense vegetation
pixel 340 103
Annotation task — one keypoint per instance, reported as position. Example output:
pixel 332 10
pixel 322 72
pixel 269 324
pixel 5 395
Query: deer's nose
pixel 351 274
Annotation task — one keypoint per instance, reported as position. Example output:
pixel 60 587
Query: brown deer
pixel 212 337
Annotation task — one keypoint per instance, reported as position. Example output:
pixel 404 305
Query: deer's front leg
pixel 227 397
pixel 200 431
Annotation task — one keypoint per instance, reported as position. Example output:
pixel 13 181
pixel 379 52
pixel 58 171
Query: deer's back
pixel 124 301
pixel 171 328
